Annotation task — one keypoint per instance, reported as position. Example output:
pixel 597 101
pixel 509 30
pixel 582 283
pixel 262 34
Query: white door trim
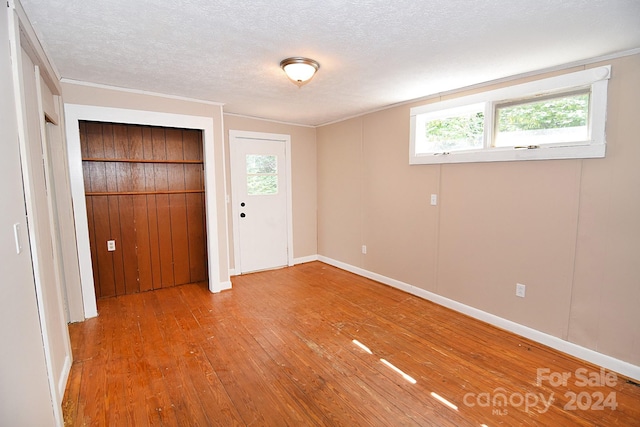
pixel 73 115
pixel 286 139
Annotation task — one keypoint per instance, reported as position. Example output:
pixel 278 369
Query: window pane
pixel 450 130
pixel 259 163
pixel 552 120
pixel 261 185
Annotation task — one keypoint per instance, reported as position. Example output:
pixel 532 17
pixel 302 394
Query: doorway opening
pixel 145 199
pixel 218 273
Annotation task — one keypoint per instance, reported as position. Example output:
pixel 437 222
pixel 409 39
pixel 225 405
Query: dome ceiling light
pixel 299 70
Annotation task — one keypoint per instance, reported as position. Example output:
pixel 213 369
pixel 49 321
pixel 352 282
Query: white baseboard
pixel 302 260
pixel 64 377
pixel 608 362
pixel 296 261
pixel 222 286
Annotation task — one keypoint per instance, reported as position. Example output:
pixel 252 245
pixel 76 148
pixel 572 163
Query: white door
pixel 260 187
pixel 42 234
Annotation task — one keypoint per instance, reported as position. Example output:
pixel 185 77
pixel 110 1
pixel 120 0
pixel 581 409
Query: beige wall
pixel 340 191
pixel 303 170
pixel 606 290
pixel 567 229
pixel 106 97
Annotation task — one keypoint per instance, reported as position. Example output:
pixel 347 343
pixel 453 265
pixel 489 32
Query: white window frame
pixel 595 79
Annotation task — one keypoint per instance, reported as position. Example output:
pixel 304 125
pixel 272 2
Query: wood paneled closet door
pixel 144 190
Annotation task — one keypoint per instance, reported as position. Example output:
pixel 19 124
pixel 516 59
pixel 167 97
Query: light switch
pixel 16 233
pixel 111 245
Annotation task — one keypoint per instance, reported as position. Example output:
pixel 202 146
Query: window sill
pixel 512 154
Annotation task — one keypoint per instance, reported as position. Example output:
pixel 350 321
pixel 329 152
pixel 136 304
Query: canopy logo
pixel 500 399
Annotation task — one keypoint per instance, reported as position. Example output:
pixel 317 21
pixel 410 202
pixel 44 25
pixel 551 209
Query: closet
pixel 145 196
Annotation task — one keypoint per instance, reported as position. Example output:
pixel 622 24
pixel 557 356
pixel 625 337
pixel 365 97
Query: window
pixel 454 129
pixel 555 118
pixel 262 175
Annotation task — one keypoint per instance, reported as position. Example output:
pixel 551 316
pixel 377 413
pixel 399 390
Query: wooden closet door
pixel 145 189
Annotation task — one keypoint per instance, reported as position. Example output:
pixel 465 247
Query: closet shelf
pixel 141 193
pixel 187 162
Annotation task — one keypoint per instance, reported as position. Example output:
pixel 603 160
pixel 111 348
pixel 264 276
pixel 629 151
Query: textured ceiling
pixel 372 53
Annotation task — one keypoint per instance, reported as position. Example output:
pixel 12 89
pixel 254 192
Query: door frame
pixel 234 136
pixel 74 113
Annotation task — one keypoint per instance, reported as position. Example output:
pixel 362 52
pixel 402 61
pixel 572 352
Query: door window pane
pixel 262 174
pixel 260 185
pixel 260 163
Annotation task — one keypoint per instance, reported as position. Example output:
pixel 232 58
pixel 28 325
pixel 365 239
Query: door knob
pixel 242 215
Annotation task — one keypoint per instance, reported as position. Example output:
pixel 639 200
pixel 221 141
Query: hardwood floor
pixel 278 350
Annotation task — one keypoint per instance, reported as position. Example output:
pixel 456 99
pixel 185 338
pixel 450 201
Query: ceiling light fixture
pixel 299 70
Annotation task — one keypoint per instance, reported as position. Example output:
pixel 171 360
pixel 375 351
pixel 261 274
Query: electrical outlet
pixel 364 249
pixel 434 199
pixel 520 290
pixel 111 245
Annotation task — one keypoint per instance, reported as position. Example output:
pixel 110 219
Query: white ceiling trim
pixel 269 120
pixel 140 92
